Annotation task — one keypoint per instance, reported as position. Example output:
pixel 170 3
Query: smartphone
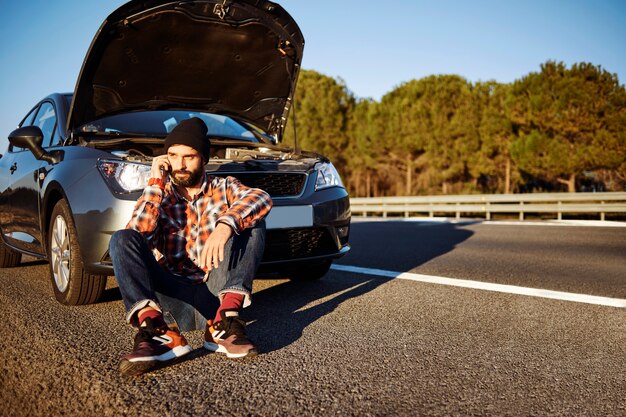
pixel 165 170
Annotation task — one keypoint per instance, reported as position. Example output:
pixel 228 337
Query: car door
pixel 8 165
pixel 22 189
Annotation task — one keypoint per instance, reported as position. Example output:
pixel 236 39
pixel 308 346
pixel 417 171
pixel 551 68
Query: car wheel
pixel 9 257
pixel 309 271
pixel 71 284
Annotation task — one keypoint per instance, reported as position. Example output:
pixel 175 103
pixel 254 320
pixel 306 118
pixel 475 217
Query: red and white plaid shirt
pixel 177 229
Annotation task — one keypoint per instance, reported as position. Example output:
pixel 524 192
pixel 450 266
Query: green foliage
pixel 568 121
pixel 492 163
pixel 322 108
pixel 442 134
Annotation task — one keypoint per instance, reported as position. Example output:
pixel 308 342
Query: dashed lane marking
pixel 487 286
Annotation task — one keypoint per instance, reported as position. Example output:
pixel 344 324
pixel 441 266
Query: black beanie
pixel 190 132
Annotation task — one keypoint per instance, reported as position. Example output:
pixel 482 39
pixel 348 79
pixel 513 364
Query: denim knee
pixel 122 238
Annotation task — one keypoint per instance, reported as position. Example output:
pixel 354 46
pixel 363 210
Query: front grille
pixel 286 244
pixel 276 184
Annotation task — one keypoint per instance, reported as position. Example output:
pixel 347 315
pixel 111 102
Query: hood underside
pixel 238 58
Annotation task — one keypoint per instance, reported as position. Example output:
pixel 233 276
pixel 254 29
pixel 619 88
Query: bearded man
pixel 191 248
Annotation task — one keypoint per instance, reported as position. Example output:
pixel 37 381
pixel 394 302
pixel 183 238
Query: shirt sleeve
pixel 145 218
pixel 247 206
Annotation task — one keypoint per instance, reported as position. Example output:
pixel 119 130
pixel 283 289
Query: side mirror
pixel 31 138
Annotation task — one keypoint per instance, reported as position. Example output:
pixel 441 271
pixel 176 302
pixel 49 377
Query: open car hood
pixel 238 58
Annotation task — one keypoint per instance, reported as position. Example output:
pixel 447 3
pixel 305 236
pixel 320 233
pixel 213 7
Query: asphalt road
pixel 354 343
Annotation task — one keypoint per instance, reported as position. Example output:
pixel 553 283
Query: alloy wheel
pixel 60 253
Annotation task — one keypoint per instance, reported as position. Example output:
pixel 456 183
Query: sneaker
pixel 153 347
pixel 229 337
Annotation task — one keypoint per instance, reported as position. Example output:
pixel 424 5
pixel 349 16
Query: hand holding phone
pixel 160 167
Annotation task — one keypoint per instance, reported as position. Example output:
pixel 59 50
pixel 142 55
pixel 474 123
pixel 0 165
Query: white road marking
pixel 571 223
pixel 435 221
pixel 487 286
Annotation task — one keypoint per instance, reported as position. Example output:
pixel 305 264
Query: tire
pixel 72 285
pixel 307 271
pixel 9 258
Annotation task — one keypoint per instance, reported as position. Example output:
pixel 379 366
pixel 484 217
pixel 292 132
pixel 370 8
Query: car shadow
pixel 110 294
pixel 32 262
pixel 279 314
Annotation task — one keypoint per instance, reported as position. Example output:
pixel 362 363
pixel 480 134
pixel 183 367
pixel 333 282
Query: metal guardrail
pixel 486 204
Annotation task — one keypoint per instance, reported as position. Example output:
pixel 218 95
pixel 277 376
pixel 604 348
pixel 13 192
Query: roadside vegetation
pixel 559 129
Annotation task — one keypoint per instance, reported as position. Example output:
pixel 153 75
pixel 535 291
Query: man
pixel 191 249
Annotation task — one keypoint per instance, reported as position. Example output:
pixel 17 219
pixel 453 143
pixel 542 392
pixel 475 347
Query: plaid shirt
pixel 177 229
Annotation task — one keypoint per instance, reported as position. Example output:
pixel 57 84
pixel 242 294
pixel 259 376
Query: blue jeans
pixel 143 282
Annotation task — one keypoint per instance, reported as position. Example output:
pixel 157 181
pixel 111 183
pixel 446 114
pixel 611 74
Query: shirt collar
pixel 206 189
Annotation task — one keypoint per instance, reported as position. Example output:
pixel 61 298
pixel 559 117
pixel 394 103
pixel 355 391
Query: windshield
pixel 161 122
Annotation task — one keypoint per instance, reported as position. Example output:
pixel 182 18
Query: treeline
pixel 560 129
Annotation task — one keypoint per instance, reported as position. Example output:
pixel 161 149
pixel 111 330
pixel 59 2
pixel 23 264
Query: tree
pixel 568 121
pixel 322 110
pixel 492 162
pixel 363 153
pixel 431 122
pixel 402 117
pixel 444 134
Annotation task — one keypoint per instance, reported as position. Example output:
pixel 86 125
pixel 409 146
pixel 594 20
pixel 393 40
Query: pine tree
pixel 568 121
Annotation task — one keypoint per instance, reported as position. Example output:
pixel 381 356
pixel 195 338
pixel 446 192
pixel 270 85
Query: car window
pixel 28 120
pixel 161 122
pixel 224 126
pixel 56 137
pixel 46 120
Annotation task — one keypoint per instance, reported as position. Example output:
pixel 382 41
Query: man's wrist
pixel 157 181
pixel 226 223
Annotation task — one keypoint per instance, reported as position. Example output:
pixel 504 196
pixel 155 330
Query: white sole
pixel 214 347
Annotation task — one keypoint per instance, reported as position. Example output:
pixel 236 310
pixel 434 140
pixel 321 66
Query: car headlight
pixel 124 177
pixel 327 176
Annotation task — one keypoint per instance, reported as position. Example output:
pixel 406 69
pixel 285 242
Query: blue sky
pixel 373 45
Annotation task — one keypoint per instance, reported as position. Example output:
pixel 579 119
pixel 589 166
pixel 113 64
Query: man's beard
pixel 192 178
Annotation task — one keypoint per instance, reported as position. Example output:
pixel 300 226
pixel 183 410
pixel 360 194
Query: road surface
pixel 383 334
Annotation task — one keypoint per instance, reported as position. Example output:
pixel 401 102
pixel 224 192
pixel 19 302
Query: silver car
pixel 71 173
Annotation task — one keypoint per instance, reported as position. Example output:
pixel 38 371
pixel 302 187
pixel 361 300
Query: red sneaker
pixel 228 336
pixel 153 347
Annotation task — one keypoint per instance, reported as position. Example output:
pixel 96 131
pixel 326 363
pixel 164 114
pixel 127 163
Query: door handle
pixel 13 168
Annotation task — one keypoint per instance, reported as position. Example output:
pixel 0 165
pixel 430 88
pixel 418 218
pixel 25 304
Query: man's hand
pixel 213 252
pixel 160 167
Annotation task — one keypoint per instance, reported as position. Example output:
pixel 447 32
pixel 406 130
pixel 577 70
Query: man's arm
pixel 146 212
pixel 247 207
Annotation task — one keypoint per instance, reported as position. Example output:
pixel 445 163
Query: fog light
pixel 343 231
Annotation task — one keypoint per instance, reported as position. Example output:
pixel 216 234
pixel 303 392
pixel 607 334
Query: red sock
pixel 231 301
pixel 155 315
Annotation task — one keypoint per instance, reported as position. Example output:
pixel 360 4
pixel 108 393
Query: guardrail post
pixel 602 213
pixel 384 211
pixel 559 215
pixel 458 213
pixel 431 213
pixel 521 210
pixel 487 211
